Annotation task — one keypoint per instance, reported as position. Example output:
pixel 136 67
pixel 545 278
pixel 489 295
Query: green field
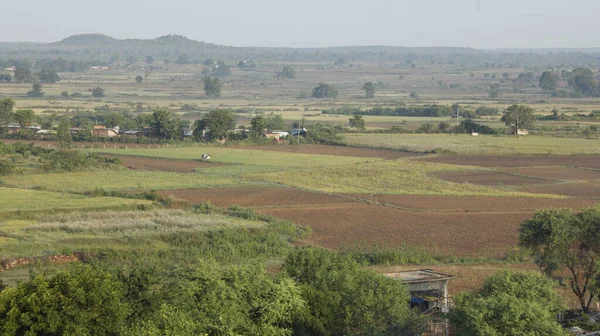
pixel 34 200
pixel 120 180
pixel 108 230
pixel 482 144
pixel 404 177
pixel 239 156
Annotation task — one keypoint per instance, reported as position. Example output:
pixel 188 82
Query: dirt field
pixel 179 166
pixel 583 161
pixel 255 197
pixel 337 150
pixel 488 178
pixel 582 189
pixel 462 233
pixel 562 173
pixel 458 203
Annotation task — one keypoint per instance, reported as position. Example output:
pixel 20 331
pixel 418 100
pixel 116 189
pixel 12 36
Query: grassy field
pixel 34 200
pixel 483 144
pixel 108 230
pixel 120 180
pixel 240 156
pixel 387 177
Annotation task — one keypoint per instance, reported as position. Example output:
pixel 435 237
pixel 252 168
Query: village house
pixel 428 289
pixel 104 132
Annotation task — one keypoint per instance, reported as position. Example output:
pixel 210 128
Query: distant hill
pixel 170 48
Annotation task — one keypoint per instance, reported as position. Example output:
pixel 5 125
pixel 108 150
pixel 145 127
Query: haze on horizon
pixel 484 24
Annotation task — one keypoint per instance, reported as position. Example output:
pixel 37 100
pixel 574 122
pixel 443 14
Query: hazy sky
pixel 468 23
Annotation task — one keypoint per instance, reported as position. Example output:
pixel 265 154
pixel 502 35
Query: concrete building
pixel 428 289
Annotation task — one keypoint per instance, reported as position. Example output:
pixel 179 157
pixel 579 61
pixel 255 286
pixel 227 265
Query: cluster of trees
pixel 325 90
pixel 412 111
pixel 317 293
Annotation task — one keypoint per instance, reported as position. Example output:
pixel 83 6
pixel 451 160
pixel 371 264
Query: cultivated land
pixel 455 195
pixel 482 144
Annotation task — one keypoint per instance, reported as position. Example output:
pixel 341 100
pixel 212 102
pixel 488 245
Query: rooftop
pixel 419 276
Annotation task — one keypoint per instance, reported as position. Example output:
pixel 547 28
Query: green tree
pixel 165 125
pixel 183 59
pixel 549 81
pixel 149 59
pixel 259 124
pixel 81 301
pixel 48 76
pixel 22 71
pixel 414 95
pixel 36 91
pixel 518 117
pixel 139 79
pixel 212 87
pixel 217 123
pixel 494 91
pixel 506 75
pixel 345 299
pixel 6 112
pixel 583 81
pixel 276 122
pixel 63 133
pixel 287 72
pixel 509 304
pixel 561 240
pixel 98 92
pixel 325 91
pixel 369 89
pixel 357 122
pixel 24 117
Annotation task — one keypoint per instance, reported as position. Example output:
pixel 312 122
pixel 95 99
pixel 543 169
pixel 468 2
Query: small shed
pixel 428 289
pixel 103 132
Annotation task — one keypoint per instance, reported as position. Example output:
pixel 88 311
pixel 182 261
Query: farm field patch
pixel 483 144
pixel 240 156
pixel 120 180
pixel 579 161
pixel 462 233
pixel 558 173
pixel 337 151
pixel 581 189
pixel 457 203
pixel 487 178
pixel 178 166
pixel 388 177
pixel 12 199
pixel 254 197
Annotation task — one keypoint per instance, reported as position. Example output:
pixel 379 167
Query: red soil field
pixel 463 233
pixel 255 197
pixel 582 189
pixel 562 173
pixel 487 178
pixel 587 161
pixel 179 166
pixel 459 203
pixel 337 150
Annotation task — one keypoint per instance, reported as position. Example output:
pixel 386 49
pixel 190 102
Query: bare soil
pixel 459 203
pixel 581 189
pixel 255 197
pixel 463 233
pixel 487 178
pixel 561 173
pixel 337 150
pixel 582 161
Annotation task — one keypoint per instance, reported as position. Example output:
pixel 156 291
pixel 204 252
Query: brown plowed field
pixel 463 233
pixel 254 197
pixel 585 161
pixel 561 173
pixel 337 150
pixel 583 189
pixel 179 166
pixel 487 178
pixel 458 203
